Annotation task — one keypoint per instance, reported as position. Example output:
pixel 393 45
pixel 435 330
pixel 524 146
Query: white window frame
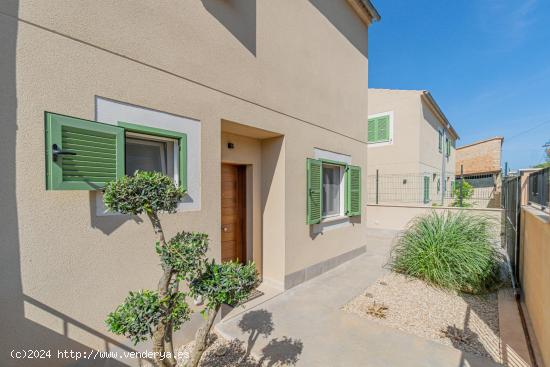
pixel 341 211
pixel 381 143
pixel 171 155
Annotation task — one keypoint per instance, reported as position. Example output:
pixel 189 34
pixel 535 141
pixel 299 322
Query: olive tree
pixel 228 283
pixel 153 314
pixel 156 314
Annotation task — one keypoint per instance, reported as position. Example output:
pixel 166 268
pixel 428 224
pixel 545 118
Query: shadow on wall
pixel 18 331
pixel 238 17
pixel 346 21
pixel 110 222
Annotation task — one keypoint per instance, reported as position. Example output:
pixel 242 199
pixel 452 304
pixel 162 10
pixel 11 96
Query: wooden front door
pixel 233 207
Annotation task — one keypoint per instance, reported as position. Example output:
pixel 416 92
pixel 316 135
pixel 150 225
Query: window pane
pixel 331 190
pixel 145 155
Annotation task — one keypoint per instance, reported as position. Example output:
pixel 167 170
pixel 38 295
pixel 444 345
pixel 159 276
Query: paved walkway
pixel 305 325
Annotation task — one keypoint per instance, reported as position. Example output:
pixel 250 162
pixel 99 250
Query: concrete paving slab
pixel 305 326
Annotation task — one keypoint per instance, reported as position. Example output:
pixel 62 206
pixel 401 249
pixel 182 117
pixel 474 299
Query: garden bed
pixel 219 353
pixel 466 322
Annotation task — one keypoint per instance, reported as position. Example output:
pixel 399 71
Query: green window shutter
pixel 372 130
pixel 180 137
pixel 353 191
pixel 314 191
pixel 383 133
pixel 438 185
pixel 379 129
pixel 440 146
pixel 426 189
pixel 448 147
pixel 92 153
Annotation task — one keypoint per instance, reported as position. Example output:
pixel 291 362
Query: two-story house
pixel 257 108
pixel 411 148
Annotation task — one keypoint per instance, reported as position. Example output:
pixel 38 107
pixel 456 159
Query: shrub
pixel 467 193
pixel 228 283
pixel 185 253
pixel 140 313
pixel 451 250
pixel 143 192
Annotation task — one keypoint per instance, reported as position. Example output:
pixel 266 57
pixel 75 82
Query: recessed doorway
pixel 233 212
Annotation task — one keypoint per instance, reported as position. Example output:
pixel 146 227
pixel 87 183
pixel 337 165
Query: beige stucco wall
pixel 535 276
pixel 397 217
pixel 297 69
pixel 403 154
pixel 431 159
pixel 414 149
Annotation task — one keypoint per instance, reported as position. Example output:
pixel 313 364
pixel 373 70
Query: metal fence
pixel 432 189
pixel 511 200
pixel 539 188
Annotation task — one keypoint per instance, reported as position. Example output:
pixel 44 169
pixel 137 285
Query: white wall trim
pixel 111 112
pixel 319 153
pixel 384 143
pixel 330 223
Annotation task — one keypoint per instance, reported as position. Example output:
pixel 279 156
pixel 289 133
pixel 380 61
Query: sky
pixel 486 63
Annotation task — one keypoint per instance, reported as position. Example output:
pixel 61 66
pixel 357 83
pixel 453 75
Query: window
pixel 151 153
pixel 85 155
pixel 333 190
pixel 440 145
pixel 426 189
pixel 447 147
pixel 379 129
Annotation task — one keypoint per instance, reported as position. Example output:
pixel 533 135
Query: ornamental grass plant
pixel 452 249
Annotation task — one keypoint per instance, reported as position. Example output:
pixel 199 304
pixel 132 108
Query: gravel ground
pixel 466 322
pixel 220 353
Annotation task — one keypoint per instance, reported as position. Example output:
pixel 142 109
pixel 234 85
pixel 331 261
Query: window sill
pixel 335 218
pixel 379 143
pixel 331 223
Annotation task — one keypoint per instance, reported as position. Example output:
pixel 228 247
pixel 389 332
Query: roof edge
pixel 443 119
pixel 501 138
pixel 366 11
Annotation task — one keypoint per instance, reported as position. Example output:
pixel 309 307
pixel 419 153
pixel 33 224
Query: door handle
pixel 57 152
pixel 225 229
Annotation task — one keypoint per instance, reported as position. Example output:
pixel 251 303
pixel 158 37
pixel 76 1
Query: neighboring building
pixel 258 108
pixel 480 163
pixel 411 145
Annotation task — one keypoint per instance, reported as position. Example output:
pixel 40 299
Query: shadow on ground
pixel 283 351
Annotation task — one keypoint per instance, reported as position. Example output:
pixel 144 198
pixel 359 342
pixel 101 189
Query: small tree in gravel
pixel 153 314
pixel 156 314
pixel 466 192
pixel 228 283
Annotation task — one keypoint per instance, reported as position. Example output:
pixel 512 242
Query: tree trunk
pixel 162 335
pixel 158 346
pixel 168 344
pixel 201 338
pixel 155 222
